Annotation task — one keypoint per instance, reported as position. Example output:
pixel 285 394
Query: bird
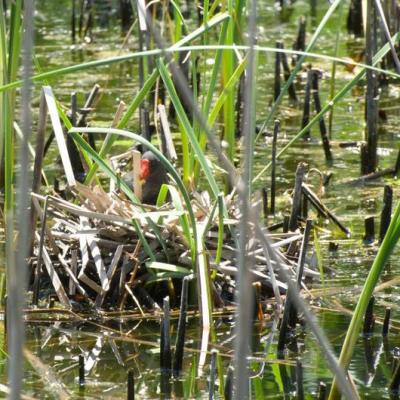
pixel 153 175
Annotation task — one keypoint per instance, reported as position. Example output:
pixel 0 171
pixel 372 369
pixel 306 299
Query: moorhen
pixel 153 173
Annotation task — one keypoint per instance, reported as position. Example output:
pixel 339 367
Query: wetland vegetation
pixel 199 199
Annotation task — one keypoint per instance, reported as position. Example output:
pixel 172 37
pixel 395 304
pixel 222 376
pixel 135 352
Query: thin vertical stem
pixel 243 318
pixel 17 272
pixel 273 169
pixel 371 94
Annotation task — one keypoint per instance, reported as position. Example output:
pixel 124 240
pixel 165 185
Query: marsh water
pixel 112 347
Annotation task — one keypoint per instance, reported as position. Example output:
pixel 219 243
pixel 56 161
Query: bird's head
pixel 144 169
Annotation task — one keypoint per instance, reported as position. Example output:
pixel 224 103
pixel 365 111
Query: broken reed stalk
pixel 397 164
pixel 74 269
pixel 273 168
pixel 89 103
pixel 296 202
pixel 89 18
pixel 285 224
pixel 304 206
pixel 292 320
pixel 239 106
pixel 125 12
pixel 73 22
pixel 322 391
pixel 384 27
pixel 369 319
pixel 5 313
pixel 38 269
pixel 81 370
pixel 165 342
pixel 313 8
pixel 264 194
pixel 38 163
pixel 228 388
pixel 322 209
pixel 287 73
pixel 277 80
pixel 306 107
pixel 258 308
pixel 180 337
pixel 289 317
pixel 364 167
pixel 386 322
pixel 74 153
pixel 300 43
pixel 131 386
pixel 395 381
pixel 355 18
pixel 299 381
pixel 386 213
pixel 283 331
pixel 51 301
pixel 81 17
pixel 213 374
pixel 315 74
pixel 369 223
pixel 371 101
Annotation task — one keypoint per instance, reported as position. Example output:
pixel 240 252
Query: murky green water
pixel 133 344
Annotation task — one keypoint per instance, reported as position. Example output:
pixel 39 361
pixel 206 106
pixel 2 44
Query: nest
pixel 94 254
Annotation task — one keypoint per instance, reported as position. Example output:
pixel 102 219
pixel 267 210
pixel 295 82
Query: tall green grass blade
pixel 178 18
pixel 213 113
pixel 214 7
pixel 258 388
pixel 209 91
pixel 186 156
pixel 3 285
pixel 223 97
pixel 176 201
pixel 167 267
pixel 198 153
pixel 206 6
pixel 15 38
pixel 177 10
pixel 216 68
pixel 3 76
pixel 385 250
pixel 228 67
pixel 239 12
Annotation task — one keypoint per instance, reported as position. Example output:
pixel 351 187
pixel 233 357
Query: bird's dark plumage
pixel 154 176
